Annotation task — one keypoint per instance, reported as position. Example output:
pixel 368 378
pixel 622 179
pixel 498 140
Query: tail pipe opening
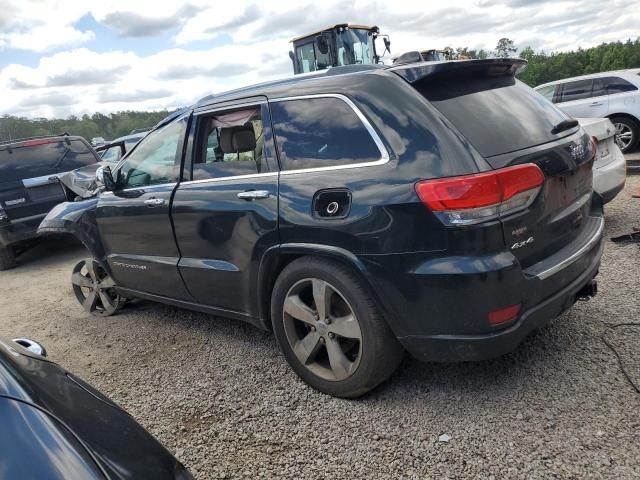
pixel 588 291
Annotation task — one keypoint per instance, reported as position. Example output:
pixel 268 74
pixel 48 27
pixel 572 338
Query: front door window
pixel 156 160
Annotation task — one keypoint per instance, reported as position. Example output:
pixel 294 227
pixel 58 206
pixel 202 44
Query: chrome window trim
pixel 231 106
pixel 384 154
pixel 233 177
pixel 141 187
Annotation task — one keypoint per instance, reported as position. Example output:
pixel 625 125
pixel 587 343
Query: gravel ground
pixel 219 395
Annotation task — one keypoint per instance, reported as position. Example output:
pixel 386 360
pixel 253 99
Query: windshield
pixel 112 154
pixel 355 46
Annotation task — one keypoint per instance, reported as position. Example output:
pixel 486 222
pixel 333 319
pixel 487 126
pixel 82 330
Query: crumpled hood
pixel 82 181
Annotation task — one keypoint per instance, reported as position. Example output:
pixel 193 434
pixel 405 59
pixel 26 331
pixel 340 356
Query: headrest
pixel 237 139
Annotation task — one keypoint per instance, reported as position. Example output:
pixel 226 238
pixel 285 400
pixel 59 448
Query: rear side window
pixel 615 85
pixel 44 158
pixel 577 90
pixel 497 115
pixel 320 132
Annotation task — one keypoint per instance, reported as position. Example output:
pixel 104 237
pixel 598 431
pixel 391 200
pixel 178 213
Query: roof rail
pixel 37 137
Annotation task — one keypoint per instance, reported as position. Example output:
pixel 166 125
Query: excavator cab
pixel 342 44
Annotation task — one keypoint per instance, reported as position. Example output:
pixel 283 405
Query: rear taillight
pixel 594 147
pixel 471 199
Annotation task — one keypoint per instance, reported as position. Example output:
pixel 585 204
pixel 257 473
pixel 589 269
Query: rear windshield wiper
pixel 564 125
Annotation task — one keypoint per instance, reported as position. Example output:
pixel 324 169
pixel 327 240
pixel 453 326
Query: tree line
pixel 543 67
pixel 109 126
pixel 546 67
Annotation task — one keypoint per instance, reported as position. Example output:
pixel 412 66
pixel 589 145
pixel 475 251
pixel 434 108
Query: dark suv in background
pixel 442 209
pixel 29 186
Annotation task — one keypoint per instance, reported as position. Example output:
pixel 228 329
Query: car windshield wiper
pixel 564 125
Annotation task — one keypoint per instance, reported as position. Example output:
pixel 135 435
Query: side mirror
pixel 104 178
pixel 322 44
pixel 32 346
pixel 387 44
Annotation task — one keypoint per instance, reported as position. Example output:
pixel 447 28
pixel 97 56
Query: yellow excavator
pixel 351 44
pixel 337 45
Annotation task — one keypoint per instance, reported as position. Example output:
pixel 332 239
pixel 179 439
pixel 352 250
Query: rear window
pixel 497 115
pixel 18 163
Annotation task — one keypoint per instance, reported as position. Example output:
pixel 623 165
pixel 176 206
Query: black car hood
pixel 119 445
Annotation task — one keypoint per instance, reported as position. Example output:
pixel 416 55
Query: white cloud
pixel 113 81
pixel 47 37
pixel 76 80
pixel 40 26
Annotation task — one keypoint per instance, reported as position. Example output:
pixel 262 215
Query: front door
pixel 226 217
pixel 134 221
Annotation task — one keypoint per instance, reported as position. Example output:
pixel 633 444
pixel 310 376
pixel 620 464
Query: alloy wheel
pixel 624 135
pixel 95 289
pixel 322 329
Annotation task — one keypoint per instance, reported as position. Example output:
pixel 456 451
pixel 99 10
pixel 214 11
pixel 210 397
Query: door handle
pixel 155 202
pixel 254 194
pixel 595 104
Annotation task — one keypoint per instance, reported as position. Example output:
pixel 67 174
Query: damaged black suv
pixel 30 171
pixel 444 209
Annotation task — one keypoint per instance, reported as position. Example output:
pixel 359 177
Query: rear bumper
pixel 609 179
pixel 20 230
pixel 451 348
pixel 440 313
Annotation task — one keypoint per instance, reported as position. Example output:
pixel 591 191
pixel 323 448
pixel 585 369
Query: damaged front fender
pixel 77 219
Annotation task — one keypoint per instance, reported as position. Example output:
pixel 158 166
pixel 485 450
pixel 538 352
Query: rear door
pixel 226 215
pixel 134 222
pixel 509 124
pixel 29 170
pixel 583 98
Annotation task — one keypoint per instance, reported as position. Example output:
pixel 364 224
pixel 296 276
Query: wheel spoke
pixel 107 302
pixel 307 348
pixel 89 303
pixel 346 327
pixel 322 293
pixel 81 281
pixel 340 364
pixel 91 268
pixel 295 307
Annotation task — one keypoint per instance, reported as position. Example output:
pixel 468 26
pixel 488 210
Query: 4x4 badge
pixel 523 243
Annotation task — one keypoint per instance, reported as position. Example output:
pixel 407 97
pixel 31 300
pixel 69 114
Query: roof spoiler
pixel 491 67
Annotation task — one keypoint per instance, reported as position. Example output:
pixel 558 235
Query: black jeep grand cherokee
pixel 443 209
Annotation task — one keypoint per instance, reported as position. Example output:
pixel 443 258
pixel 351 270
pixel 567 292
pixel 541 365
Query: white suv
pixel 615 95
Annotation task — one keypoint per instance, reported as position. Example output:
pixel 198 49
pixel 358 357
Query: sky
pixel 72 57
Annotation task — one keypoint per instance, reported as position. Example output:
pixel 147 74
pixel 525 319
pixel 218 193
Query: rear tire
pixel 627 133
pixel 7 258
pixel 344 348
